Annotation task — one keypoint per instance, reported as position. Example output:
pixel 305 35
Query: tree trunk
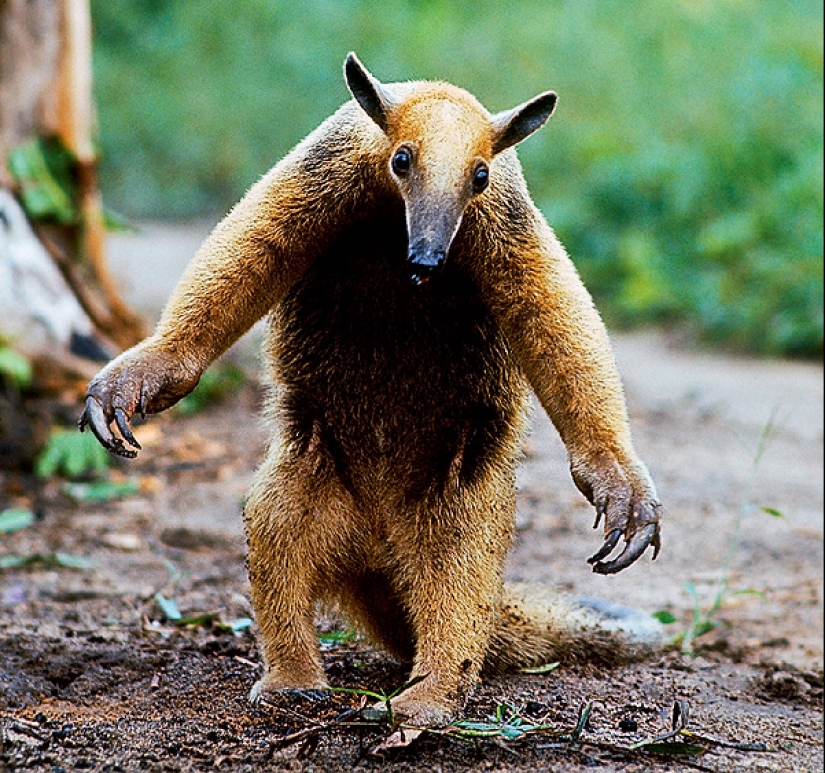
pixel 58 304
pixel 29 56
pixel 45 90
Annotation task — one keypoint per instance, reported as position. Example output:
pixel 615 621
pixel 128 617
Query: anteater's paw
pixel 425 703
pixel 142 380
pixel 624 495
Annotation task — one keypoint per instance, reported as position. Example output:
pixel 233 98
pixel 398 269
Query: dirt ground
pixel 93 676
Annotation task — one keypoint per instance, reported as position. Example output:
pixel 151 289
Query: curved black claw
pixel 122 421
pixel 313 696
pixel 261 696
pixel 636 545
pixel 601 509
pixel 607 548
pixel 657 544
pixel 94 417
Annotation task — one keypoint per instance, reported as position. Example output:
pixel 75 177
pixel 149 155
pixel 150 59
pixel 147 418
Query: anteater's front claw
pixel 94 417
pixel 122 421
pixel 635 546
pixel 607 548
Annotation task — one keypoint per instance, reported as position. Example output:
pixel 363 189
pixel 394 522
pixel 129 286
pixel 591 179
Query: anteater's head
pixel 441 143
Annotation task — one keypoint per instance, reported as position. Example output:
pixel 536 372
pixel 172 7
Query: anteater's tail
pixel 536 626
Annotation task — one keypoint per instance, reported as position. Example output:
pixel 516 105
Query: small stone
pixel 628 725
pixel 123 541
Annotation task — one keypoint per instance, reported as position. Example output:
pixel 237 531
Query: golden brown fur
pixel 389 486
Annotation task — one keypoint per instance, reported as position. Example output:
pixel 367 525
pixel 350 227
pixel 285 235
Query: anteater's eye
pixel 481 178
pixel 402 161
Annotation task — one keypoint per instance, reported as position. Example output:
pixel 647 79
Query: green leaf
pixel 195 621
pixel 359 691
pixel 101 491
pixel 47 560
pixel 43 170
pixel 692 590
pixel 331 638
pixel 673 748
pixel 772 512
pixel 15 519
pixel 473 725
pixel 13 561
pixel 584 715
pixel 747 592
pixel 71 454
pixel 543 669
pixel 69 561
pixel 169 607
pixel 15 367
pixel 704 626
pixel 508 730
pixel 406 686
pixel 175 574
pixel 478 729
pixel 117 223
pixel 665 617
pixel 511 732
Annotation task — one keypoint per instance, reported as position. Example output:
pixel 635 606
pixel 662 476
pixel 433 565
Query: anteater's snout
pixel 425 262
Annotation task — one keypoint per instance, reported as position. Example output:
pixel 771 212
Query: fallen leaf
pixel 674 749
pixel 47 560
pixel 123 541
pixel 399 739
pixel 543 669
pixel 169 607
pixel 101 491
pixel 15 519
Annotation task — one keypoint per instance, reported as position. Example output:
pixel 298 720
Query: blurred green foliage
pixel 683 167
pixel 15 369
pixel 42 169
pixel 72 455
pixel 220 381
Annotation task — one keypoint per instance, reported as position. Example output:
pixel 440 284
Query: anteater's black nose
pixel 425 262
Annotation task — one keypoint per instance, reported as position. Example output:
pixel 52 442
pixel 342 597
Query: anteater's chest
pixel 385 367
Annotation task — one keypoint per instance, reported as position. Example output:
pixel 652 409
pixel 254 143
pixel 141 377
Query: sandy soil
pixel 93 676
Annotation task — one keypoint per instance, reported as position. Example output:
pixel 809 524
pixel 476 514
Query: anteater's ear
pixel 512 126
pixel 368 91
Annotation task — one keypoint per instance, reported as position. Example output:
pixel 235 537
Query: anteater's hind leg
pixel 299 526
pixel 451 553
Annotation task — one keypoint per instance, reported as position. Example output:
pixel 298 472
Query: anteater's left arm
pixel 561 344
pixel 243 270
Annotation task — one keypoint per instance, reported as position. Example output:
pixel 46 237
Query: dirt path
pixel 93 676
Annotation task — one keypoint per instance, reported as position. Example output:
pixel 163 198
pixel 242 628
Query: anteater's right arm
pixel 244 268
pixel 561 345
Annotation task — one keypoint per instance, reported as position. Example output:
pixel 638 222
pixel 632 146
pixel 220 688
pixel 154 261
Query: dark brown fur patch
pixel 406 376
